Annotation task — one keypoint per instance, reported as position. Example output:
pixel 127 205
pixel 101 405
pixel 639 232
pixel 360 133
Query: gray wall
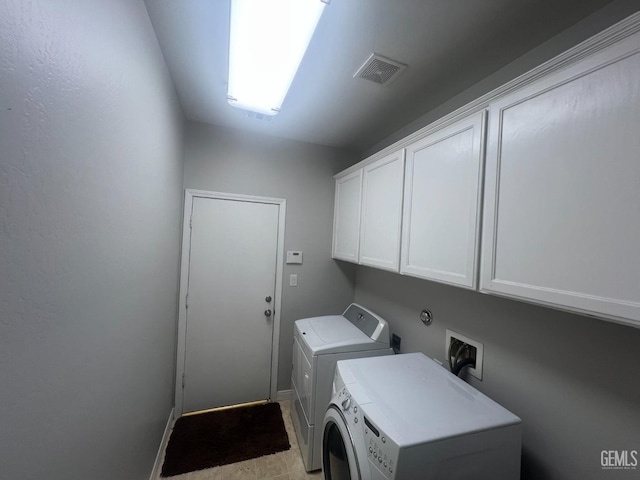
pixel 90 195
pixel 224 160
pixel 572 379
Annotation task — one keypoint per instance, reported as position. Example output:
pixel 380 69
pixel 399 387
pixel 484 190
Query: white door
pixel 229 303
pixel 346 217
pixel 382 183
pixel 561 223
pixel 441 224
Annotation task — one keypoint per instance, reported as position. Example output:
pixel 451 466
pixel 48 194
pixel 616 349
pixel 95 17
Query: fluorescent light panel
pixel 267 42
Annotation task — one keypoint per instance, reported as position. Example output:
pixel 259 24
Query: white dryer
pixel 318 343
pixel 405 417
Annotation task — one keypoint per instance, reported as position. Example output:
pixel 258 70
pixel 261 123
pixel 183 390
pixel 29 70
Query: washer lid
pixel 334 334
pixel 414 400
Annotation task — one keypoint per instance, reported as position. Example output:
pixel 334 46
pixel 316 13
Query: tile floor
pixel 280 466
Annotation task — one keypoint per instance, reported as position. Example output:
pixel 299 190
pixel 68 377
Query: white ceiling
pixel 448 44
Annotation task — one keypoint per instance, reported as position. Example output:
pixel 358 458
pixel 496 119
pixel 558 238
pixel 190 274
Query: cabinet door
pixel 382 183
pixel 346 217
pixel 440 229
pixel 562 204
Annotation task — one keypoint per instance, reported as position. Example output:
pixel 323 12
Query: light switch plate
pixel 293 280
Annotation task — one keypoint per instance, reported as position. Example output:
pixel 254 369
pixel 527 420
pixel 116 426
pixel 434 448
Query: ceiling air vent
pixel 379 69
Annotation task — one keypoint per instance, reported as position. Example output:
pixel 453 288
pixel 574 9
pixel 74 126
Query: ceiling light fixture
pixel 267 41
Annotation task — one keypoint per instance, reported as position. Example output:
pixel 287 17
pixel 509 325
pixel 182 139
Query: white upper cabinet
pixel 382 212
pixel 561 197
pixel 440 230
pixel 562 194
pixel 346 217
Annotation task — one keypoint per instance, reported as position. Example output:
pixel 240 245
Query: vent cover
pixel 379 69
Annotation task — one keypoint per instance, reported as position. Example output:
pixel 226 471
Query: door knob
pixel 268 299
pixel 267 313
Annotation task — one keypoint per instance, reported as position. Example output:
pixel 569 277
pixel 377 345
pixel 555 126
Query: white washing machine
pixel 318 343
pixel 405 417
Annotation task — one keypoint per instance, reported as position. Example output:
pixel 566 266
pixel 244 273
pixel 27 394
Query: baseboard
pixel 283 395
pixel 157 465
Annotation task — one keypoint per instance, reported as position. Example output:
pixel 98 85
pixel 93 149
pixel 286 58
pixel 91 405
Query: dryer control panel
pixel 368 322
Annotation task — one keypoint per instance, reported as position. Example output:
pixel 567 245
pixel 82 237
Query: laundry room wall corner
pixel 224 160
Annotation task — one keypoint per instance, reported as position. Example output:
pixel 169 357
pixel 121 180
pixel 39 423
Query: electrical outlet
pixel 395 343
pixel 476 350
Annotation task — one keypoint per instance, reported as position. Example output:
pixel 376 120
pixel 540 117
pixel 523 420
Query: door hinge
pixel 186 301
pixel 183 375
pixel 191 221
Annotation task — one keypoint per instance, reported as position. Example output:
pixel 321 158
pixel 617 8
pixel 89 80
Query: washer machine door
pixel 339 459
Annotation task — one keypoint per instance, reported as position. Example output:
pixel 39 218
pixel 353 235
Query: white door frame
pixel 189 196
